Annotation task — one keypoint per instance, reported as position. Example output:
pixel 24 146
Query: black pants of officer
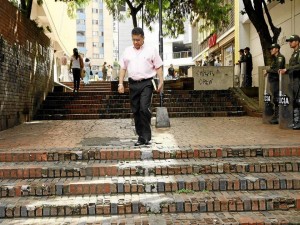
pixel 296 94
pixel 140 93
pixel 248 78
pixel 274 89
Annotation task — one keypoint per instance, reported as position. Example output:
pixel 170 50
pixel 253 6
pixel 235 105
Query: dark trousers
pixel 248 78
pixel 141 97
pixel 274 87
pixel 76 78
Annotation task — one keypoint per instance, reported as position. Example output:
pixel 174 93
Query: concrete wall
pixel 212 78
pixel 26 67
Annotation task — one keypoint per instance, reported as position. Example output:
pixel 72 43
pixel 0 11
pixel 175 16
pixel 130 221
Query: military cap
pixel 294 37
pixel 275 45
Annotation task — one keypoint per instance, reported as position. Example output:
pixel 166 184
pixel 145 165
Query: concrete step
pixel 291 217
pixel 158 184
pixel 23 170
pixel 112 109
pixel 156 203
pixel 128 153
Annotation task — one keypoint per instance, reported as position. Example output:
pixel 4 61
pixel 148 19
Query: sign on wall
pixel 212 77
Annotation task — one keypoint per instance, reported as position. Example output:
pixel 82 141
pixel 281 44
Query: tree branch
pixel 276 31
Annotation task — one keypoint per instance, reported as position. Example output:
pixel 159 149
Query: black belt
pixel 131 81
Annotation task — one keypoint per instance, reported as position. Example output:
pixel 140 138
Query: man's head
pixel 294 41
pixel 137 35
pixel 241 51
pixel 247 49
pixel 171 65
pixel 274 49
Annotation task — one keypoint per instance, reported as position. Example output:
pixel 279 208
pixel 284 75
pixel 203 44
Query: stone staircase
pixel 100 100
pixel 131 185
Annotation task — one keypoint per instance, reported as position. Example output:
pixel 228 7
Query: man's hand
pixel 282 71
pixel 265 73
pixel 121 88
pixel 160 86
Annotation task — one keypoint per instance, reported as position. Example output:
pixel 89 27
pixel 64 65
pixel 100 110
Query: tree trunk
pixel 29 7
pixel 256 15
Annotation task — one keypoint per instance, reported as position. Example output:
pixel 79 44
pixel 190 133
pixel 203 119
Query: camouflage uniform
pixel 278 62
pixel 294 73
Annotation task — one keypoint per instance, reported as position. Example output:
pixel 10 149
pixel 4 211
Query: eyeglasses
pixel 136 40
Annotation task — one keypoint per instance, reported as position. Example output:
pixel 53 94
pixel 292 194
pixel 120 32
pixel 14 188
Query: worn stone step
pixel 278 217
pixel 129 115
pixel 157 184
pixel 20 170
pixel 82 116
pixel 156 203
pixel 104 105
pixel 126 152
pixel 98 110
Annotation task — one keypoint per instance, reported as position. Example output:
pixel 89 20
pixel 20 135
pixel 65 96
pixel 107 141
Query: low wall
pixel 213 77
pixel 26 67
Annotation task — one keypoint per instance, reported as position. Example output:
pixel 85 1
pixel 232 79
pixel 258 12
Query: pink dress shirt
pixel 141 63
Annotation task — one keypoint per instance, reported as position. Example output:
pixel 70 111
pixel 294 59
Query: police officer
pixel 294 70
pixel 249 67
pixel 278 62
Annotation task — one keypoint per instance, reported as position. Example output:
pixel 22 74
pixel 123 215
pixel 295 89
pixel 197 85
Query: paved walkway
pixel 213 131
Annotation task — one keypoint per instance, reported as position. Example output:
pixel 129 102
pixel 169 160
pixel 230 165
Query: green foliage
pixel 175 13
pixel 185 191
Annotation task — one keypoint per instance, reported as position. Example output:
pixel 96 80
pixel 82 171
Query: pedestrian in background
pixel 249 67
pixel 76 64
pixel 104 72
pixel 278 62
pixel 64 68
pixel 142 63
pixel 171 71
pixel 87 68
pixel 294 71
pixel 109 72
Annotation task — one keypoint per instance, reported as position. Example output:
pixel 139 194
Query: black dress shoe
pixel 138 143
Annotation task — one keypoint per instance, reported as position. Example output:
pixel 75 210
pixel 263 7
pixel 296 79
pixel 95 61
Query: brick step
pixel 95 83
pixel 278 217
pixel 83 116
pixel 109 97
pixel 156 203
pixel 205 114
pixel 153 152
pixel 104 104
pixel 129 115
pixel 112 109
pixel 23 170
pixel 158 184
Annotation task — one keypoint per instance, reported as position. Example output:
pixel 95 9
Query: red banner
pixel 212 41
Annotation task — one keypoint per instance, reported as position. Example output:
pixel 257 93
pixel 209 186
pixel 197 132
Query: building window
pixel 80 33
pixel 101 56
pixel 95 44
pixel 80 10
pixel 228 55
pixel 95 10
pixel 80 22
pixel 95 33
pixel 95 56
pixel 95 22
pixel 80 44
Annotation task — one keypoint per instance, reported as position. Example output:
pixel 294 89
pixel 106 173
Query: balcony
pixel 81 39
pixel 183 54
pixel 81 27
pixel 182 58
